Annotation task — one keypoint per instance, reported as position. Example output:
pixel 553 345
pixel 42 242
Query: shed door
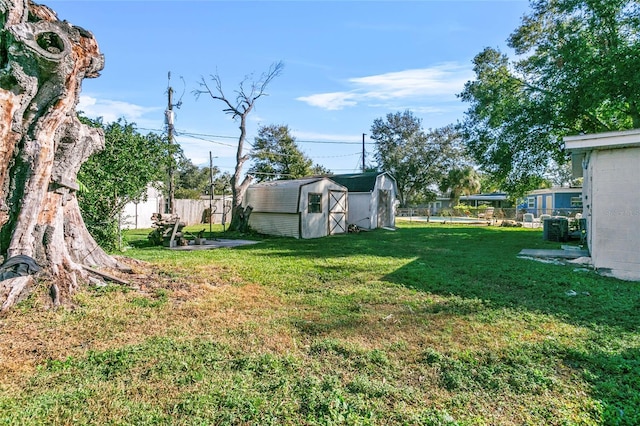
pixel 337 212
pixel 384 208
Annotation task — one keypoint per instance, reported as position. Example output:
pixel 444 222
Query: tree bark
pixel 43 144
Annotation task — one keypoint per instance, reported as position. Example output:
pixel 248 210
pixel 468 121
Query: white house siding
pixel 615 211
pixel 280 224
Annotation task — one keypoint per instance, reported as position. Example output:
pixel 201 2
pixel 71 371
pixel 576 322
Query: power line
pixel 201 136
pixel 186 133
pixel 206 140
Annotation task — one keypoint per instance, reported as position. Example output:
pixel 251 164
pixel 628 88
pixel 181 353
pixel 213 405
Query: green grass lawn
pixel 428 324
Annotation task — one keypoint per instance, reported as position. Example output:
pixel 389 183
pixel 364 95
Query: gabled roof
pixel 358 182
pixel 292 183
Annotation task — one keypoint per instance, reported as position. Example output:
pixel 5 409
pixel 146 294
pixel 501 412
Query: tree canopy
pixel 417 159
pixel 576 72
pixel 118 175
pixel 277 156
pixel 192 181
pixel 460 181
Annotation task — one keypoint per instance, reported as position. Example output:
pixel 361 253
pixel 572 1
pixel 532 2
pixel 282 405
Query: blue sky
pixel 346 63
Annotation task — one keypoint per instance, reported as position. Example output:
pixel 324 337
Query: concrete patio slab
pixel 213 244
pixel 561 254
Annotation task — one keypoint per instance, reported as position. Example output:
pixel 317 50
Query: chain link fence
pixel 495 213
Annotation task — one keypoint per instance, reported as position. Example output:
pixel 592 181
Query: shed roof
pixel 291 183
pixel 608 140
pixel 358 182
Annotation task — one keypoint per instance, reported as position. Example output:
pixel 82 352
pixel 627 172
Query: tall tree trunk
pixel 43 144
pixel 238 188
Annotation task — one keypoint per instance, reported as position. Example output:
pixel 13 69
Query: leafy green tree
pixel 277 156
pixel 192 181
pixel 222 183
pixel 576 73
pixel 418 160
pixel 319 170
pixel 488 184
pixel 118 175
pixel 562 175
pixel 460 181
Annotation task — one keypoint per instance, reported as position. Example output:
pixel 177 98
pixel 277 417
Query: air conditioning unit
pixel 556 229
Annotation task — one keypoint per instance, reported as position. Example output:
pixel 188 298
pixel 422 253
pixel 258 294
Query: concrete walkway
pixel 213 244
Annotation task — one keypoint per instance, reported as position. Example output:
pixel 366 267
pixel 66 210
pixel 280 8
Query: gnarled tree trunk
pixel 43 144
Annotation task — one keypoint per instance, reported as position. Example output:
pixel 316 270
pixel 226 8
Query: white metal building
pixel 610 166
pixel 300 208
pixel 372 198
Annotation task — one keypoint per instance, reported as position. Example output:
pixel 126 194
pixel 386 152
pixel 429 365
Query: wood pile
pixel 167 230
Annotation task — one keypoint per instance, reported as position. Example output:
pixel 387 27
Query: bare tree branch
pixel 249 92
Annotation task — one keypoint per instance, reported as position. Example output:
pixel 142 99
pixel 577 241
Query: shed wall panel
pixel 273 199
pixel 281 224
pixel 360 209
pixel 615 209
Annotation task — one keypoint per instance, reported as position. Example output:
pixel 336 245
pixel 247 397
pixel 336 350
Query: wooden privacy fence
pixel 191 212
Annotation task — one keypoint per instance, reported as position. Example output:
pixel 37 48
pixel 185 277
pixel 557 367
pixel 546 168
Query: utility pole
pixel 169 120
pixel 210 191
pixel 363 167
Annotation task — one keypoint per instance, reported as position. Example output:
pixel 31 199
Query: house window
pixel 315 203
pixel 531 202
pixel 576 202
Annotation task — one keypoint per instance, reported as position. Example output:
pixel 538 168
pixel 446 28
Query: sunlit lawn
pixel 429 324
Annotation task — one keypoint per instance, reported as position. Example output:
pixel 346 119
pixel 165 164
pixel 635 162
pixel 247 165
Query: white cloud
pixel 331 101
pixel 328 137
pixel 111 111
pixel 441 82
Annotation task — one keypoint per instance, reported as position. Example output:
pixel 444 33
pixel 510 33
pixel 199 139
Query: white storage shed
pixel 609 163
pixel 372 198
pixel 300 208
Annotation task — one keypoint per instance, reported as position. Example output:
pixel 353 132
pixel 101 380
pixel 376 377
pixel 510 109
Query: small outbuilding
pixel 300 208
pixel 372 198
pixel 609 163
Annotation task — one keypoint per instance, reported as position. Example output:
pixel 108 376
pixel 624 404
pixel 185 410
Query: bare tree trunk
pixel 43 144
pixel 246 98
pixel 238 184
